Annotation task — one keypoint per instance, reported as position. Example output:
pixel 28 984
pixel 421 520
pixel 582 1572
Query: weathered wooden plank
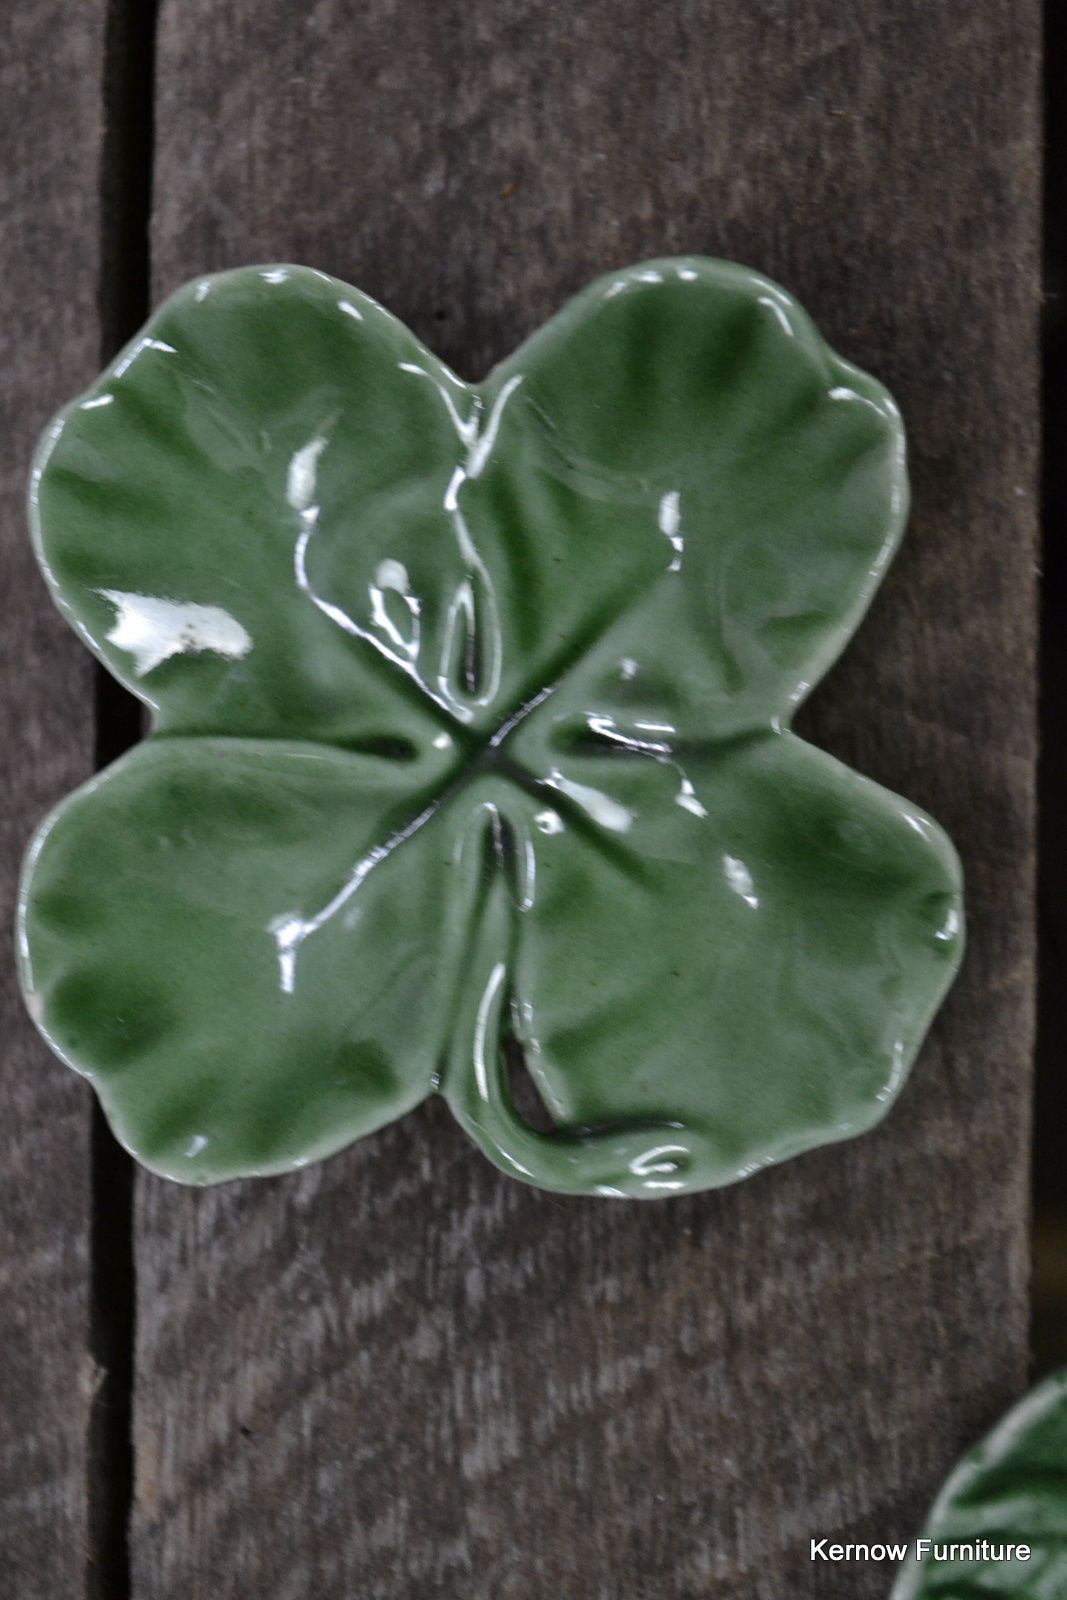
pixel 51 132
pixel 399 1374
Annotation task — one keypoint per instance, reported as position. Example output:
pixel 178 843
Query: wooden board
pixel 400 1375
pixel 52 135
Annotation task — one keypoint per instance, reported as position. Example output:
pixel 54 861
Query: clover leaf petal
pixel 695 410
pixel 193 508
pixel 176 901
pixel 470 734
pixel 741 944
pixel 1010 1490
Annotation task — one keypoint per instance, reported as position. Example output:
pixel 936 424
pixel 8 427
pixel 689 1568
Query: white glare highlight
pixel 152 630
pixel 740 880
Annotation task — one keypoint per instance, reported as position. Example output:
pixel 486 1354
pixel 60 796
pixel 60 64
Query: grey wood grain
pixel 51 133
pixel 399 1374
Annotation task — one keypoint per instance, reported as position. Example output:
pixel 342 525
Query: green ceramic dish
pixel 1010 1491
pixel 470 714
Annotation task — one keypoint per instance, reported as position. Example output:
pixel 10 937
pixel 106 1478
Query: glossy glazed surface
pixel 1011 1489
pixel 471 720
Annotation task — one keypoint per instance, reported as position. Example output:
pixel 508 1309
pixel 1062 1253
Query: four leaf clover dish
pixel 998 1529
pixel 471 738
